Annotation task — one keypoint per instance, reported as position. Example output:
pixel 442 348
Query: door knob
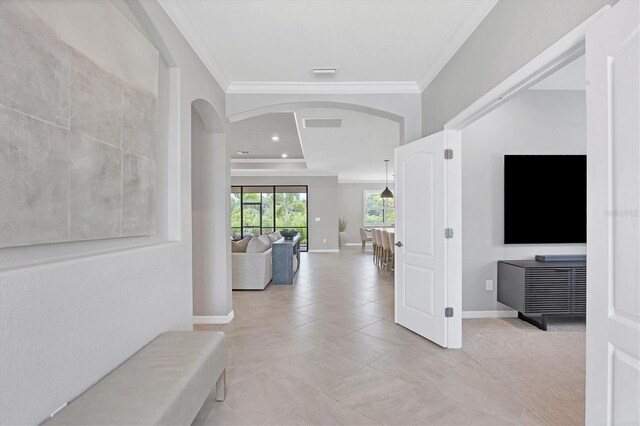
pixel 399 244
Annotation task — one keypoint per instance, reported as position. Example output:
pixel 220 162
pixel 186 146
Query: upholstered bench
pixel 166 382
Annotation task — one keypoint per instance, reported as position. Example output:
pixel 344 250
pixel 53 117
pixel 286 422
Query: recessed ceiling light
pixel 275 138
pixel 324 71
pixel 284 155
pixel 243 153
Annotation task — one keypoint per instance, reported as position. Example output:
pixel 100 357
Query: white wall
pixel 352 206
pixel 322 203
pixel 534 122
pixel 71 312
pixel 510 36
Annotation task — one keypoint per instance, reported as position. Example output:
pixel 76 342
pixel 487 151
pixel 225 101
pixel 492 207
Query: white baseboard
pixel 489 314
pixel 324 251
pixel 214 319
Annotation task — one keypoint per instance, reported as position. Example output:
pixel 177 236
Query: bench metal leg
pixel 221 386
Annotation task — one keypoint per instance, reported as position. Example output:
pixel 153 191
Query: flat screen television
pixel 545 199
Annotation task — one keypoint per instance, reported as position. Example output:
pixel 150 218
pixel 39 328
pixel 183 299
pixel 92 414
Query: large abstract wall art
pixel 77 135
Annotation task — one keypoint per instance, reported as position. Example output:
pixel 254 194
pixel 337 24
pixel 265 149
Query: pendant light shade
pixel 387 192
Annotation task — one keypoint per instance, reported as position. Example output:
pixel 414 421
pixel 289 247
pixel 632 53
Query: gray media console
pixel 539 289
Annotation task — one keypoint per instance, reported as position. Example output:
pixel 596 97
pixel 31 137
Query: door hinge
pixel 448 154
pixel 448 233
pixel 448 312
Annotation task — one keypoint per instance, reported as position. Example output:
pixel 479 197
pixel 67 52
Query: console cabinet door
pixel 547 290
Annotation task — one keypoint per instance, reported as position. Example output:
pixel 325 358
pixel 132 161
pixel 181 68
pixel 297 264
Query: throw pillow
pixel 265 239
pixel 240 246
pixel 274 236
pixel 257 245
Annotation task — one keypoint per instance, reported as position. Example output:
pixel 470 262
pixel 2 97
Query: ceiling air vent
pixel 322 122
pixel 323 72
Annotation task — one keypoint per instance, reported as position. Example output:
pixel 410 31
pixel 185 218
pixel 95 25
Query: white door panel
pixel 613 239
pixel 420 261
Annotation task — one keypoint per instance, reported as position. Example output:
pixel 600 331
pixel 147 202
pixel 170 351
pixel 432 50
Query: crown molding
pixel 365 181
pixel 354 87
pixel 268 160
pixel 280 172
pixel 469 25
pixel 188 30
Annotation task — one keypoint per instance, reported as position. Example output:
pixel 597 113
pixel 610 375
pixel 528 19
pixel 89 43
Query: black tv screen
pixel 545 199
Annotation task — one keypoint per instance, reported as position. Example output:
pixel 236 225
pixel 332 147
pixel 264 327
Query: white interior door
pixel 420 292
pixel 613 224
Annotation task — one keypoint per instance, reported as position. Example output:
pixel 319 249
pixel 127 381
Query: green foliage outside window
pixel 290 213
pixel 378 211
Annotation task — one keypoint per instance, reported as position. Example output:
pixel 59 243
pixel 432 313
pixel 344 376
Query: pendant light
pixel 387 192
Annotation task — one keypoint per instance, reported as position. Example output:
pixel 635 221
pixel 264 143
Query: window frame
pixel 385 208
pixel 269 189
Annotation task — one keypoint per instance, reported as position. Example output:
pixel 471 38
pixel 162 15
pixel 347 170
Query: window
pixel 256 210
pixel 378 211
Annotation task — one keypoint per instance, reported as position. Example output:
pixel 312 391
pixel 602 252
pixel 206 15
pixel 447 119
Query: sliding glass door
pixel 256 210
pixel 291 210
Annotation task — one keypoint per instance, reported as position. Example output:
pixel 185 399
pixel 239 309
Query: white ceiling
pixel 279 41
pixel 355 152
pixel 254 135
pixel 271 46
pixel 573 76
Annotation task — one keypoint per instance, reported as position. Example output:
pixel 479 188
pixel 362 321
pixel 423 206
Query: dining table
pixel 382 229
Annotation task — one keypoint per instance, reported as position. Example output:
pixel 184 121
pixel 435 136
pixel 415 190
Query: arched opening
pixel 293 106
pixel 351 152
pixel 210 186
pixel 210 181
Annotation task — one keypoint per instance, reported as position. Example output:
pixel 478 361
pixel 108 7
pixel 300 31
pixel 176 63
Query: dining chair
pixel 378 250
pixel 374 241
pixel 364 237
pixel 392 244
pixel 386 249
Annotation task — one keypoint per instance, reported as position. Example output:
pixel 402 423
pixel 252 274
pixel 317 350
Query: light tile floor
pixel 326 351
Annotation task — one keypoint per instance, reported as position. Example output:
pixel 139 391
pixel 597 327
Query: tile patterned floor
pixel 326 351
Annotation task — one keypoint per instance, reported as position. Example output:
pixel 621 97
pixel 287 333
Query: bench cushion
pixel 166 382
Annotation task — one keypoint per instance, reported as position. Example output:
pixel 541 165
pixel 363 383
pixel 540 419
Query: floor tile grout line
pixel 279 415
pixel 488 374
pixel 446 396
pixel 525 404
pixel 234 411
pixel 352 409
